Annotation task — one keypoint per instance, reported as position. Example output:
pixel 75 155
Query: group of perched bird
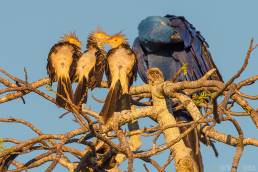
pixel 67 64
pixel 166 43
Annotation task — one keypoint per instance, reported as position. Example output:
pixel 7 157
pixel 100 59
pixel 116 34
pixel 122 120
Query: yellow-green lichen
pixel 201 97
pixel 184 68
pixel 49 88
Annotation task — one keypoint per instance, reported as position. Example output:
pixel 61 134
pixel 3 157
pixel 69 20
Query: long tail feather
pixel 124 102
pixel 64 88
pixel 81 92
pixel 111 102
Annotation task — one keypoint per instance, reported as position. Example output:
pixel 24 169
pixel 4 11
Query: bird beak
pixel 105 40
pixel 176 37
pixel 108 40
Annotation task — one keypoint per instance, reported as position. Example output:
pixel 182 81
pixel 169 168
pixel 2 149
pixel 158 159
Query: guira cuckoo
pixel 121 70
pixel 90 66
pixel 60 67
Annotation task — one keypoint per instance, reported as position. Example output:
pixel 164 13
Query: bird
pixel 121 71
pixel 90 66
pixel 61 66
pixel 169 43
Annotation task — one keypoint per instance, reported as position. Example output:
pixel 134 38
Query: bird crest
pixel 71 38
pixel 117 39
pixel 97 38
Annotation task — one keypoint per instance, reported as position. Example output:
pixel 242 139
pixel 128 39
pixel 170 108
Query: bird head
pixel 71 38
pixel 116 40
pixel 98 38
pixel 156 29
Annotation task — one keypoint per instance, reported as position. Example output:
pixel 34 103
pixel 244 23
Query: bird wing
pixel 76 55
pixel 197 56
pixel 165 60
pixel 100 65
pixel 142 61
pixel 50 69
pixel 133 73
pixel 107 69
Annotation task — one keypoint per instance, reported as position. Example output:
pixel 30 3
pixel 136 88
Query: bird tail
pixel 81 92
pixel 112 100
pixel 124 102
pixel 64 89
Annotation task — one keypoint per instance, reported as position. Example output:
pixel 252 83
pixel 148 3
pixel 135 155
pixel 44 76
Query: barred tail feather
pixel 64 88
pixel 111 102
pixel 81 92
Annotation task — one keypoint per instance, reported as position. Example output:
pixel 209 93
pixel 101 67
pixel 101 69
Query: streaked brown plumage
pixel 60 66
pixel 121 70
pixel 90 66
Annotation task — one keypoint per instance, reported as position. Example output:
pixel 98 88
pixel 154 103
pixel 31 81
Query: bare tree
pixel 107 145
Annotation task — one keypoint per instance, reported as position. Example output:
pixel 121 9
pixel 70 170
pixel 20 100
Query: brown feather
pixel 50 71
pixel 77 54
pixel 107 72
pixel 81 92
pixel 64 88
pixel 124 102
pixel 95 77
pixel 100 66
pixel 111 102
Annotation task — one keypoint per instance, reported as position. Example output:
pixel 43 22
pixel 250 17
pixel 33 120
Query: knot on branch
pixel 185 165
pixel 155 76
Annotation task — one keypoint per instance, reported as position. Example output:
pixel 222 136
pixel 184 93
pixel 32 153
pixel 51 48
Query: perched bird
pixel 90 66
pixel 121 70
pixel 169 43
pixel 60 66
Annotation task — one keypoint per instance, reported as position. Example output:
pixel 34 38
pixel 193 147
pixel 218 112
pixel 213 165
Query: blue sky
pixel 29 28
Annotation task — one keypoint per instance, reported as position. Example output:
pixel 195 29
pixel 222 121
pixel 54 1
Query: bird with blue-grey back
pixel 171 43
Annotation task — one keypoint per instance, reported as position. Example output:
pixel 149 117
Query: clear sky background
pixel 29 28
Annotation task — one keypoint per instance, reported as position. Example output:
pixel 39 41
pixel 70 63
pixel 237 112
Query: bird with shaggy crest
pixel 60 66
pixel 121 70
pixel 90 66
